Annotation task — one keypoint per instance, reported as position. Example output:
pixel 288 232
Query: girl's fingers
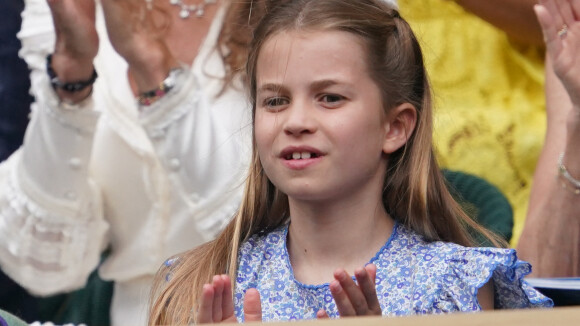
pixel 216 304
pixel 372 270
pixel 252 306
pixel 205 311
pixel 227 299
pixel 342 301
pixel 218 289
pixel 366 281
pixel 353 291
pixel 352 299
pixel 321 314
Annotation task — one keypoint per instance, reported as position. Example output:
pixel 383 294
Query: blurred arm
pixel 551 236
pixel 515 17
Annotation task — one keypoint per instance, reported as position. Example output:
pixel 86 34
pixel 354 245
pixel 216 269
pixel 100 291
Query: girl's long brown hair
pixel 414 192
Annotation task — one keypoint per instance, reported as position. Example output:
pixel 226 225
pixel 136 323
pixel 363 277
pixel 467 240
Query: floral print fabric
pixel 413 277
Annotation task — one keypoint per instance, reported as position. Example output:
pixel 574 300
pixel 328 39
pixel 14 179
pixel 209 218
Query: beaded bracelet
pixel 563 172
pixel 150 97
pixel 69 87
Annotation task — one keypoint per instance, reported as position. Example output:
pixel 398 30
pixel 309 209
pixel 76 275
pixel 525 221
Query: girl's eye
pixel 332 99
pixel 274 102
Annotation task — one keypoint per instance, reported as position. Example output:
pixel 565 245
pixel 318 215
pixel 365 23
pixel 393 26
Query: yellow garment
pixel 489 98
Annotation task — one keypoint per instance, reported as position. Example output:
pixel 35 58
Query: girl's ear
pixel 399 125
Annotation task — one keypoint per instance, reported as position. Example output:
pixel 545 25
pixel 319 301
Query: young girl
pixel 343 176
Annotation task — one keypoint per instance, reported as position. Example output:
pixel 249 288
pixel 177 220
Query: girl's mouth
pixel 301 155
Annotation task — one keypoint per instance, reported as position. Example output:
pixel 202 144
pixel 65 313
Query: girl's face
pixel 320 126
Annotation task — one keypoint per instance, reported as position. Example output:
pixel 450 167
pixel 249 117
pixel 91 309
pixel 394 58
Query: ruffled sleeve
pixel 471 268
pixel 52 229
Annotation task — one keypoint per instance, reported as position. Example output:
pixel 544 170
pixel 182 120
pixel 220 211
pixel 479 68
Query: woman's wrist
pixel 149 78
pixel 568 180
pixel 70 68
pixel 154 73
pixel 151 96
pixel 71 78
pixel 573 125
pixel 151 66
pixel 570 157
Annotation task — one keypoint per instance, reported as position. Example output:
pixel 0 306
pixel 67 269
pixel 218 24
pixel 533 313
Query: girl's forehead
pixel 288 48
pixel 289 37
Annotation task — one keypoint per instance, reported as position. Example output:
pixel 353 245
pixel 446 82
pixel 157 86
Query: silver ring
pixel 563 31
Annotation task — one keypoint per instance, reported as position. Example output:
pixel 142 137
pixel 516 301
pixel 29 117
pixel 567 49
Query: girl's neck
pixel 322 239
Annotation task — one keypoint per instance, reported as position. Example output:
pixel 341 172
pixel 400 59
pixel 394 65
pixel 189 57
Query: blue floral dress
pixel 413 277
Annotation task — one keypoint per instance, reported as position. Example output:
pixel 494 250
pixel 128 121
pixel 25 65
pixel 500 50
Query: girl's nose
pixel 300 119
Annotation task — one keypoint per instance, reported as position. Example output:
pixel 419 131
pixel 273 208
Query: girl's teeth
pixel 299 156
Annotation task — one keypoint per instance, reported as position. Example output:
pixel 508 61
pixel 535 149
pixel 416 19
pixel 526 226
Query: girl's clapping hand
pixel 217 305
pixel 352 299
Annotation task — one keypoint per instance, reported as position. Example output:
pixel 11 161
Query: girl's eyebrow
pixel 319 84
pixel 271 87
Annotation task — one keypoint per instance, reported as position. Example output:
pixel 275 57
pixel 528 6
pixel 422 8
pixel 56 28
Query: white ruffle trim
pixel 46 252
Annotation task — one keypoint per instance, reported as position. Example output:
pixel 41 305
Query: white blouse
pixel 98 174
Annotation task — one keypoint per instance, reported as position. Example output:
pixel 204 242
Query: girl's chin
pixel 307 196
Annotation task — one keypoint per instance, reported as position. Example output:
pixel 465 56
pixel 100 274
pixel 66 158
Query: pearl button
pixel 71 195
pixel 157 134
pixel 75 163
pixel 174 164
pixel 194 198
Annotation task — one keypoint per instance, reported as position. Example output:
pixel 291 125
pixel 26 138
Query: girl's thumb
pixel 252 306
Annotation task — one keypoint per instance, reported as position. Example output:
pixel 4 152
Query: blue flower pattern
pixel 413 277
